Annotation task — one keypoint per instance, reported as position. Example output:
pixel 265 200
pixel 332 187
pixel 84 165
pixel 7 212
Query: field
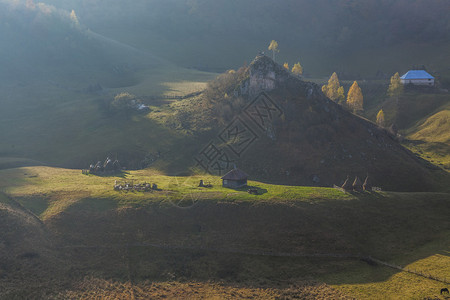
pixel 188 241
pixel 37 185
pixel 33 120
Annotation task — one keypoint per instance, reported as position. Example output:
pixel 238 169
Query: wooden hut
pixel 234 179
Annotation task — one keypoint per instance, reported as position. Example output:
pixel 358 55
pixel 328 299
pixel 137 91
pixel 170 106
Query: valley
pixel 181 92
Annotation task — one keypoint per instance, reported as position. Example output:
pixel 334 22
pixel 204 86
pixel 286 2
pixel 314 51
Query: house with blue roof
pixel 417 77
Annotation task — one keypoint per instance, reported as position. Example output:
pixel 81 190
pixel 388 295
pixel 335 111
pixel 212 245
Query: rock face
pixel 264 75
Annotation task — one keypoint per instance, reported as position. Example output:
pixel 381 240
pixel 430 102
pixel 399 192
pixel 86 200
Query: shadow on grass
pixel 256 190
pixel 120 174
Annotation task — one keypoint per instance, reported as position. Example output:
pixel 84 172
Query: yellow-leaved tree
pixel 395 87
pixel 274 48
pixel 341 95
pixel 297 69
pixel 380 118
pixel 286 66
pixel 74 18
pixel 333 89
pixel 355 98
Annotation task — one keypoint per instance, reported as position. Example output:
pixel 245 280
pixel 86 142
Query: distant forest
pixel 327 22
pixel 193 33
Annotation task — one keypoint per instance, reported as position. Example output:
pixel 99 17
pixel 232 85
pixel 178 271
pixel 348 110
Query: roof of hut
pixel 235 174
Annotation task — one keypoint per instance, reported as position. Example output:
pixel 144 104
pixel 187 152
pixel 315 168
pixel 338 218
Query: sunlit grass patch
pixel 48 191
pixel 400 285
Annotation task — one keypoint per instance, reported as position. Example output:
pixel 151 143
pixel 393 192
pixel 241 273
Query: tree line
pixel 354 99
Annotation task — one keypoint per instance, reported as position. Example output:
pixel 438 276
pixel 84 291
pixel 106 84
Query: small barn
pixel 417 77
pixel 234 179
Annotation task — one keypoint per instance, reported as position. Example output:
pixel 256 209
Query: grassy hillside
pixel 435 128
pixel 58 80
pixel 430 138
pixel 420 115
pixel 189 239
pixel 69 235
pixel 306 139
pixel 57 115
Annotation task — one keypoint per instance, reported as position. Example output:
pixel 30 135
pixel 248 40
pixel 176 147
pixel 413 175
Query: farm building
pixel 417 77
pixel 234 179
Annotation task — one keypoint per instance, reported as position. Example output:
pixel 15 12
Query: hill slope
pixel 295 135
pixel 430 138
pixel 29 262
pixel 43 44
pixel 57 82
pixel 288 240
pixel 435 128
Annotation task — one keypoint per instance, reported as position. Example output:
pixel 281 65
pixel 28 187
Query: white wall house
pixel 417 77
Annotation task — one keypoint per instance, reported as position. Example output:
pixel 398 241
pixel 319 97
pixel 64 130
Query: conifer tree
pixel 274 48
pixel 331 90
pixel 380 118
pixel 297 69
pixel 355 98
pixel 396 86
pixel 286 66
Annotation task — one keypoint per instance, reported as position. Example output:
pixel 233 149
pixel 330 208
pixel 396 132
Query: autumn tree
pixel 274 48
pixel 355 98
pixel 333 89
pixel 380 118
pixel 395 87
pixel 341 95
pixel 124 103
pixel 286 66
pixel 74 18
pixel 297 69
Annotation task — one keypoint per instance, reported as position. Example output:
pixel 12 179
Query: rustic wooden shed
pixel 234 179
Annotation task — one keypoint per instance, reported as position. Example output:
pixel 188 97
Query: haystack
pixel 357 184
pixel 347 184
pixel 366 185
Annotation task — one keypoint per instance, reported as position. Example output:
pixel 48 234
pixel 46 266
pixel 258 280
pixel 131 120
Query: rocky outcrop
pixel 266 75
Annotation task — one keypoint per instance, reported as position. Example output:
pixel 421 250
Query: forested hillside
pixel 356 38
